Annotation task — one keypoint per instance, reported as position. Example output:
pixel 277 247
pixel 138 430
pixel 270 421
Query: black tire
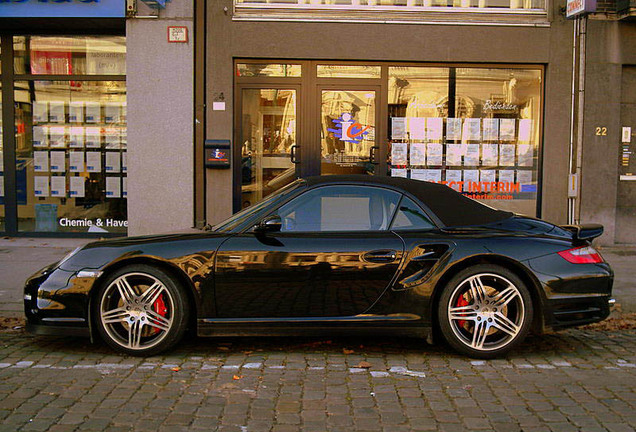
pixel 485 311
pixel 140 310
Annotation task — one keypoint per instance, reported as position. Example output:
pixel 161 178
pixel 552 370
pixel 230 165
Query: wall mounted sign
pixel 575 8
pixel 63 9
pixel 177 34
pixel 218 153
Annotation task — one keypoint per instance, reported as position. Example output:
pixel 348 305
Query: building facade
pixel 483 95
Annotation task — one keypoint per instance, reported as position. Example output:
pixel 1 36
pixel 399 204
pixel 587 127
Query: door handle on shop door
pixel 292 154
pixel 381 256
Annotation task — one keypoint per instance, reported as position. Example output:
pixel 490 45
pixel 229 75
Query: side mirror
pixel 271 223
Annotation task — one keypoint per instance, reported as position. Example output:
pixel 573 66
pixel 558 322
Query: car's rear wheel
pixel 484 311
pixel 141 310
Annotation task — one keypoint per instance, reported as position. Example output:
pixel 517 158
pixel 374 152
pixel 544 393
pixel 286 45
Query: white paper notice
pixel 398 153
pixel 418 174
pixel 58 161
pixel 433 175
pixel 434 128
pixel 41 186
pixel 113 187
pixel 417 128
pixel 487 175
pixel 470 176
pixel 491 129
pixel 112 112
pixel 454 176
pixel 112 138
pixel 471 158
pixel 124 187
pixel 77 189
pixel 40 136
pixel 40 112
pixel 93 137
pixel 58 186
pixel 399 172
pixel 507 154
pixel 93 114
pixel 453 129
pixel 113 162
pixel 1 186
pixel 472 129
pixel 418 154
pixel 124 162
pixel 76 137
pixel 56 112
pixel 454 154
pixel 76 161
pixel 1 160
pixel 41 161
pixel 507 176
pixel 433 154
pixel 524 155
pixel 524 177
pixel 93 162
pixel 398 128
pixel 76 112
pixel 525 130
pixel 507 129
pixel 489 154
pixel 57 136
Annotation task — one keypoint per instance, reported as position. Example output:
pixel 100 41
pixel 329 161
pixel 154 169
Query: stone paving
pixel 570 381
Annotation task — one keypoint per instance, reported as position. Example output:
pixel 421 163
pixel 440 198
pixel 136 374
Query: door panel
pixel 283 275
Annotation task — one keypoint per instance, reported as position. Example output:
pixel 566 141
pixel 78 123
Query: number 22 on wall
pixel 601 131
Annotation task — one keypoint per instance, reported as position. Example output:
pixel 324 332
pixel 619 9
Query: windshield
pixel 245 214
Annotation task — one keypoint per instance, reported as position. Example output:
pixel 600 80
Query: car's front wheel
pixel 484 311
pixel 141 310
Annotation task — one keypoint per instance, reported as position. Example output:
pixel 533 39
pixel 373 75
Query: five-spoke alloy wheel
pixel 140 310
pixel 484 311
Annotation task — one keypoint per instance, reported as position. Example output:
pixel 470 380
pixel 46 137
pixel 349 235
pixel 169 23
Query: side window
pixel 411 216
pixel 340 208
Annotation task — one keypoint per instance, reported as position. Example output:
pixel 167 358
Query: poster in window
pixel 472 129
pixel 76 162
pixel 76 112
pixel 434 128
pixel 507 129
pixel 93 112
pixel 398 128
pixel 453 177
pixel 471 156
pixel 418 154
pixel 111 136
pixel 489 154
pixel 93 162
pixel 41 161
pixel 93 137
pixel 434 154
pixel 470 176
pixel 113 161
pixel 524 177
pixel 398 172
pixel 76 137
pixel 1 186
pixel 124 187
pixel 418 174
pixel 56 112
pixel 491 129
pixel 398 153
pixel 77 187
pixel 112 112
pixel 40 112
pixel 417 128
pixel 429 175
pixel 525 130
pixel 40 136
pixel 104 61
pixel 1 158
pixel 507 154
pixel 507 176
pixel 454 154
pixel 453 129
pixel 57 136
pixel 524 155
pixel 124 162
pixel 113 187
pixel 58 161
pixel 487 175
pixel 58 186
pixel 41 186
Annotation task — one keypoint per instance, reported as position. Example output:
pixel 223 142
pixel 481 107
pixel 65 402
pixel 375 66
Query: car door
pixel 333 257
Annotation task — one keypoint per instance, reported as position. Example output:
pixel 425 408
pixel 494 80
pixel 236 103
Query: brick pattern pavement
pixel 571 381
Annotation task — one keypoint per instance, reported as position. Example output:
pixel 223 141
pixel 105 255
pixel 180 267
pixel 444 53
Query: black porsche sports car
pixel 333 254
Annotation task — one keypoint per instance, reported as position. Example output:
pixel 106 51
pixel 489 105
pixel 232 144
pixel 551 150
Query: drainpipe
pixel 581 115
pixel 571 172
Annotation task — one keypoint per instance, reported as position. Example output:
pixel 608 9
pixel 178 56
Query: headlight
pixel 68 256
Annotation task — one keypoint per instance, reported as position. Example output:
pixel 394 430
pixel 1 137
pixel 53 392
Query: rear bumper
pixel 575 311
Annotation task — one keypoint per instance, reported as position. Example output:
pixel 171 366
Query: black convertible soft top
pixel 451 207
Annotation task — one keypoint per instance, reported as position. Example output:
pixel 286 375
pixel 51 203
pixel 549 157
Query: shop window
pixel 348 71
pixel 71 158
pixel 475 129
pixel 268 70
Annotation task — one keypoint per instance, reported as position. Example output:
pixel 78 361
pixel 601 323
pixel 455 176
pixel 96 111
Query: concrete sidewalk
pixel 21 257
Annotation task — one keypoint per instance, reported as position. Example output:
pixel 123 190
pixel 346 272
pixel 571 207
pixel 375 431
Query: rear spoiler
pixel 584 232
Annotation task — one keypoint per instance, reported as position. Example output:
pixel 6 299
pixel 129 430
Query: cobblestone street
pixel 569 381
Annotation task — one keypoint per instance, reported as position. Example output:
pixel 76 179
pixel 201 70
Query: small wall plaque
pixel 177 34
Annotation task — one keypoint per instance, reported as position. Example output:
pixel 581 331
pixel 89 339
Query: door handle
pixel 372 155
pixel 293 155
pixel 381 256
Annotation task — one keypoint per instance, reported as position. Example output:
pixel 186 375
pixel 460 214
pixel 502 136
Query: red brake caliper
pixel 159 306
pixel 460 303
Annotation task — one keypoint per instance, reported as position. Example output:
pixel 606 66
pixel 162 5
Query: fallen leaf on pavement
pixel 364 365
pixel 347 351
pixel 175 369
pixel 236 377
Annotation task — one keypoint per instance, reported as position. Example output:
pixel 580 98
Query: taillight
pixel 582 255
